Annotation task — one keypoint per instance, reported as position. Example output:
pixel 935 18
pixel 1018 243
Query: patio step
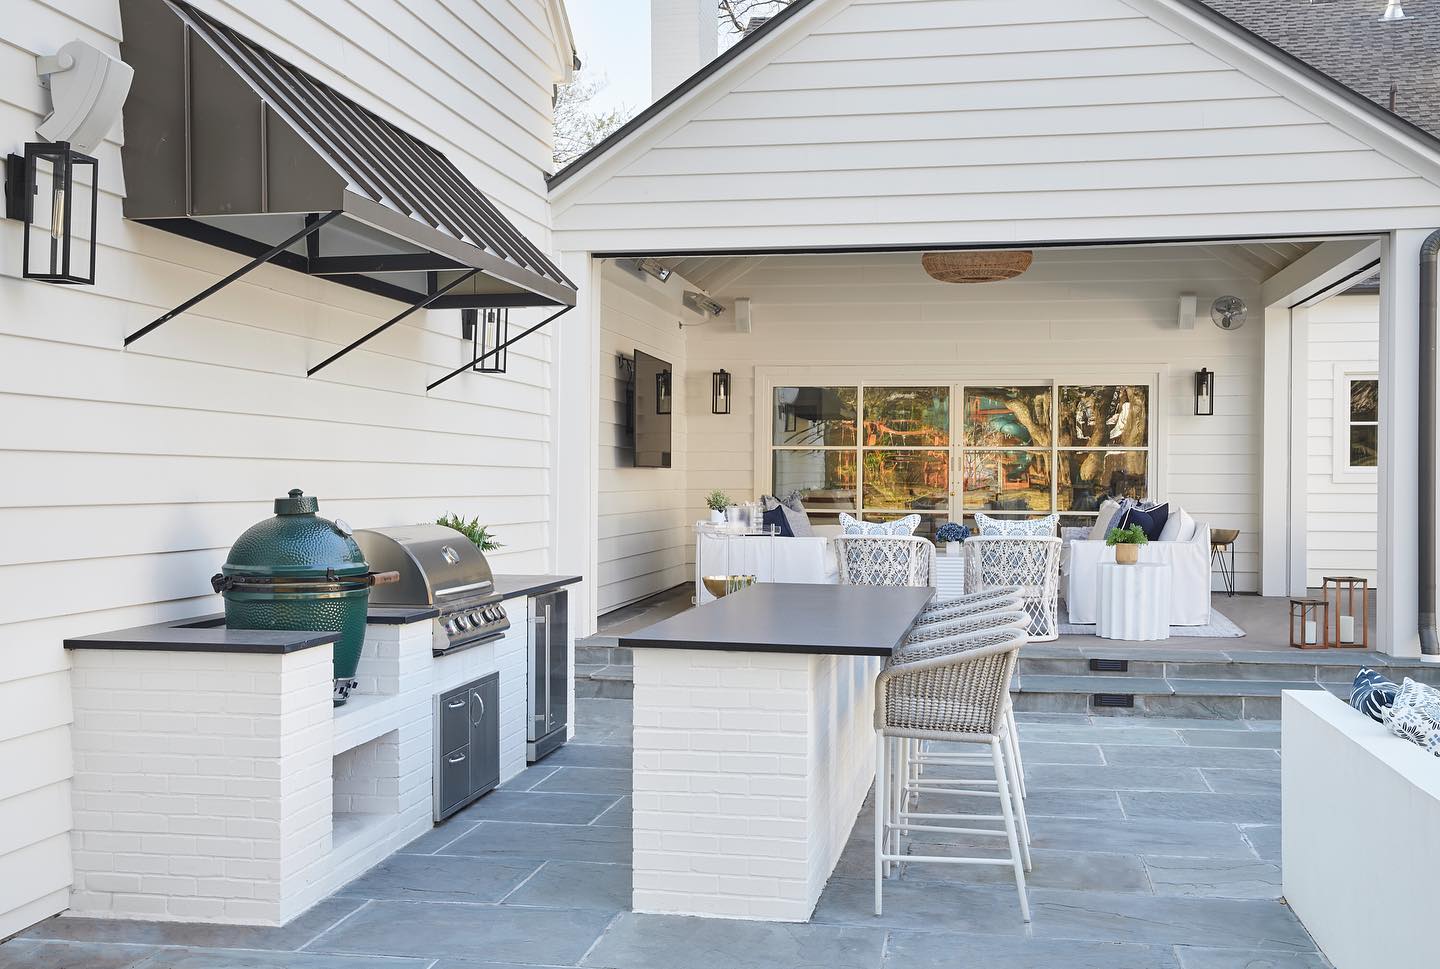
pixel 1138 680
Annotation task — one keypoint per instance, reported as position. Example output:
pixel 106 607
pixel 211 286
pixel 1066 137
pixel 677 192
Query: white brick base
pixel 750 769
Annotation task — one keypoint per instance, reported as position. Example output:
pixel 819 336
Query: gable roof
pixel 1341 43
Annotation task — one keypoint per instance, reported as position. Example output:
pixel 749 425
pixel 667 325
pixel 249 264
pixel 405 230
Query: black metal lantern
pixel 720 392
pixel 49 251
pixel 488 331
pixel 662 392
pixel 1204 393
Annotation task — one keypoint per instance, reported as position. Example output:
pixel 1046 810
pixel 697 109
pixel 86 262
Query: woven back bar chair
pixel 1032 565
pixel 998 599
pixel 949 690
pixel 885 560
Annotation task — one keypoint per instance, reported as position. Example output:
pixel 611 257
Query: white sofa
pixel 1189 563
pixel 809 560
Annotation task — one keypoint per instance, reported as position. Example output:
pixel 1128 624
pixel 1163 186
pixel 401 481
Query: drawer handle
pixel 454 758
pixel 455 704
pixel 480 700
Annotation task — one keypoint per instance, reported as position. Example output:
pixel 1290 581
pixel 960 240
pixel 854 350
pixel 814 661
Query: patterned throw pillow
pixel 1415 715
pixel 1373 694
pixel 900 526
pixel 1018 527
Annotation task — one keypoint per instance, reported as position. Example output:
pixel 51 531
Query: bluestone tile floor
pixel 1156 846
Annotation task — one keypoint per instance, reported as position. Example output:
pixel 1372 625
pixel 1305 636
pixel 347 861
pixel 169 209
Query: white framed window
pixel 947 448
pixel 1356 424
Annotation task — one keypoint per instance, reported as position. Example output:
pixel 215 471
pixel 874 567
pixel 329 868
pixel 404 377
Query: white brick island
pixel 754 744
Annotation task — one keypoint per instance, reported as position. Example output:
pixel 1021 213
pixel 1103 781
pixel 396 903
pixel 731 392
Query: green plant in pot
pixel 480 534
pixel 1127 542
pixel 717 501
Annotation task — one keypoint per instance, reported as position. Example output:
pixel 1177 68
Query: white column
pixel 575 475
pixel 1399 545
pixel 1275 456
pixel 1298 524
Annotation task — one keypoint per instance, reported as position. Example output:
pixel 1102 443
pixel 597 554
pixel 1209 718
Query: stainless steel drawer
pixel 454 778
pixel 454 719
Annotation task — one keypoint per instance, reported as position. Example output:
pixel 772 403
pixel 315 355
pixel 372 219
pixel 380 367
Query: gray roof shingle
pixel 1347 40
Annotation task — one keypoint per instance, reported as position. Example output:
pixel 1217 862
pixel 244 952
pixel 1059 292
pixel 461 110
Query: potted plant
pixel 479 534
pixel 717 501
pixel 952 534
pixel 1126 542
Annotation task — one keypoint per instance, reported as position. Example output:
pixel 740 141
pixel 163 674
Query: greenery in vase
pixel 952 532
pixel 1133 535
pixel 472 529
pixel 717 500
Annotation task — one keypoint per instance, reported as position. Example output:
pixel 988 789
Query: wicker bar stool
pixel 939 693
pixel 973 604
pixel 959 632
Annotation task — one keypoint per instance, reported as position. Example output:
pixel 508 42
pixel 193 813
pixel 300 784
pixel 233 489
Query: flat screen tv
pixel 650 406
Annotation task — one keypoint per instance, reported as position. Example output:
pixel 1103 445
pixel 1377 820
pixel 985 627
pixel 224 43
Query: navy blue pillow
pixel 1150 520
pixel 776 517
pixel 1372 694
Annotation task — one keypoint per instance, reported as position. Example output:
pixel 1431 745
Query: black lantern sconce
pixel 488 331
pixel 1204 393
pixel 720 392
pixel 662 392
pixel 51 252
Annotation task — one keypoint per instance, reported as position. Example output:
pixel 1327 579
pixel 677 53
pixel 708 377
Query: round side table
pixel 1133 601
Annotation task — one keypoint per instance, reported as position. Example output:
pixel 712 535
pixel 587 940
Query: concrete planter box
pixel 1361 835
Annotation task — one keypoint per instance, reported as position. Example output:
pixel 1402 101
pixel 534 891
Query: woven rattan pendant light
pixel 976 267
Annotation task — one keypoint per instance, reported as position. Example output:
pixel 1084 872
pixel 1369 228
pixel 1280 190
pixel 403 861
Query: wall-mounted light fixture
pixel 50 252
pixel 662 392
pixel 488 331
pixel 1204 393
pixel 720 392
pixel 702 304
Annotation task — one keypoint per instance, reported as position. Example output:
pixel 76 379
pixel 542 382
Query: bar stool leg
pixel 881 813
pixel 1010 833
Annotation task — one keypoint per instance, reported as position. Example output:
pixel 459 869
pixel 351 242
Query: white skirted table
pixel 1133 601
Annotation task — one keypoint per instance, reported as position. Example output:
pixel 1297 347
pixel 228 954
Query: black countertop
pixel 209 634
pixel 510 586
pixel 778 617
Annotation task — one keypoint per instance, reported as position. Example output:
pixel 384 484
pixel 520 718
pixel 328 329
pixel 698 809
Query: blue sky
pixel 613 40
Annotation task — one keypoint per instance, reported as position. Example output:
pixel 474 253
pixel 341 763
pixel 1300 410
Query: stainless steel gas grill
pixel 438 567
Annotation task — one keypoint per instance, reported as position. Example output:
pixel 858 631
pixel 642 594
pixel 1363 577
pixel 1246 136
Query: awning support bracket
pixel 412 308
pixel 496 350
pixel 312 225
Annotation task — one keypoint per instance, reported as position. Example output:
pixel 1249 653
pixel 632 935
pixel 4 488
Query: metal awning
pixel 229 144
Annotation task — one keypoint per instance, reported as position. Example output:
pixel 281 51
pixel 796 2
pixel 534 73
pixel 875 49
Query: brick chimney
pixel 684 37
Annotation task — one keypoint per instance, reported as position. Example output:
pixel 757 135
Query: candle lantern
pixel 1204 393
pixel 1309 623
pixel 720 392
pixel 42 192
pixel 1351 626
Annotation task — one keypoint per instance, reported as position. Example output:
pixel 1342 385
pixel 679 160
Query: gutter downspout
pixel 1429 253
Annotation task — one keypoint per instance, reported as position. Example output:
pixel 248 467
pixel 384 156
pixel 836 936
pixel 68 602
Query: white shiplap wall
pixel 871 122
pixel 1341 516
pixel 126 474
pixel 1094 311
pixel 646 514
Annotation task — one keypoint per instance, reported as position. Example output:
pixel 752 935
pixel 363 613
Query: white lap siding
pixel 1341 510
pixel 646 515
pixel 124 476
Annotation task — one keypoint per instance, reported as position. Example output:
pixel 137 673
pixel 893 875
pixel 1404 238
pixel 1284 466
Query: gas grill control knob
pixel 461 622
pixel 450 626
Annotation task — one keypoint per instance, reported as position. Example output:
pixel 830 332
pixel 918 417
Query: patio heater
pixel 1204 393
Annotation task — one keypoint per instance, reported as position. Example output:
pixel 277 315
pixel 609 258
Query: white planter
pixel 952 548
pixel 1360 808
pixel 717 517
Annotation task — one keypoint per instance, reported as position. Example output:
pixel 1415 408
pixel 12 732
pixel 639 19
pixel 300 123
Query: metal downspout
pixel 1429 252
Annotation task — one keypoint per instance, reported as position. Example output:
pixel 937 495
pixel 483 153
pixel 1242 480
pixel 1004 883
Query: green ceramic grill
pixel 300 571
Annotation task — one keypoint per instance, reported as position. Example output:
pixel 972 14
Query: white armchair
pixel 1189 563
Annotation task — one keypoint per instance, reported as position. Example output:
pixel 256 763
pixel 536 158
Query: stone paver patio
pixel 1157 846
